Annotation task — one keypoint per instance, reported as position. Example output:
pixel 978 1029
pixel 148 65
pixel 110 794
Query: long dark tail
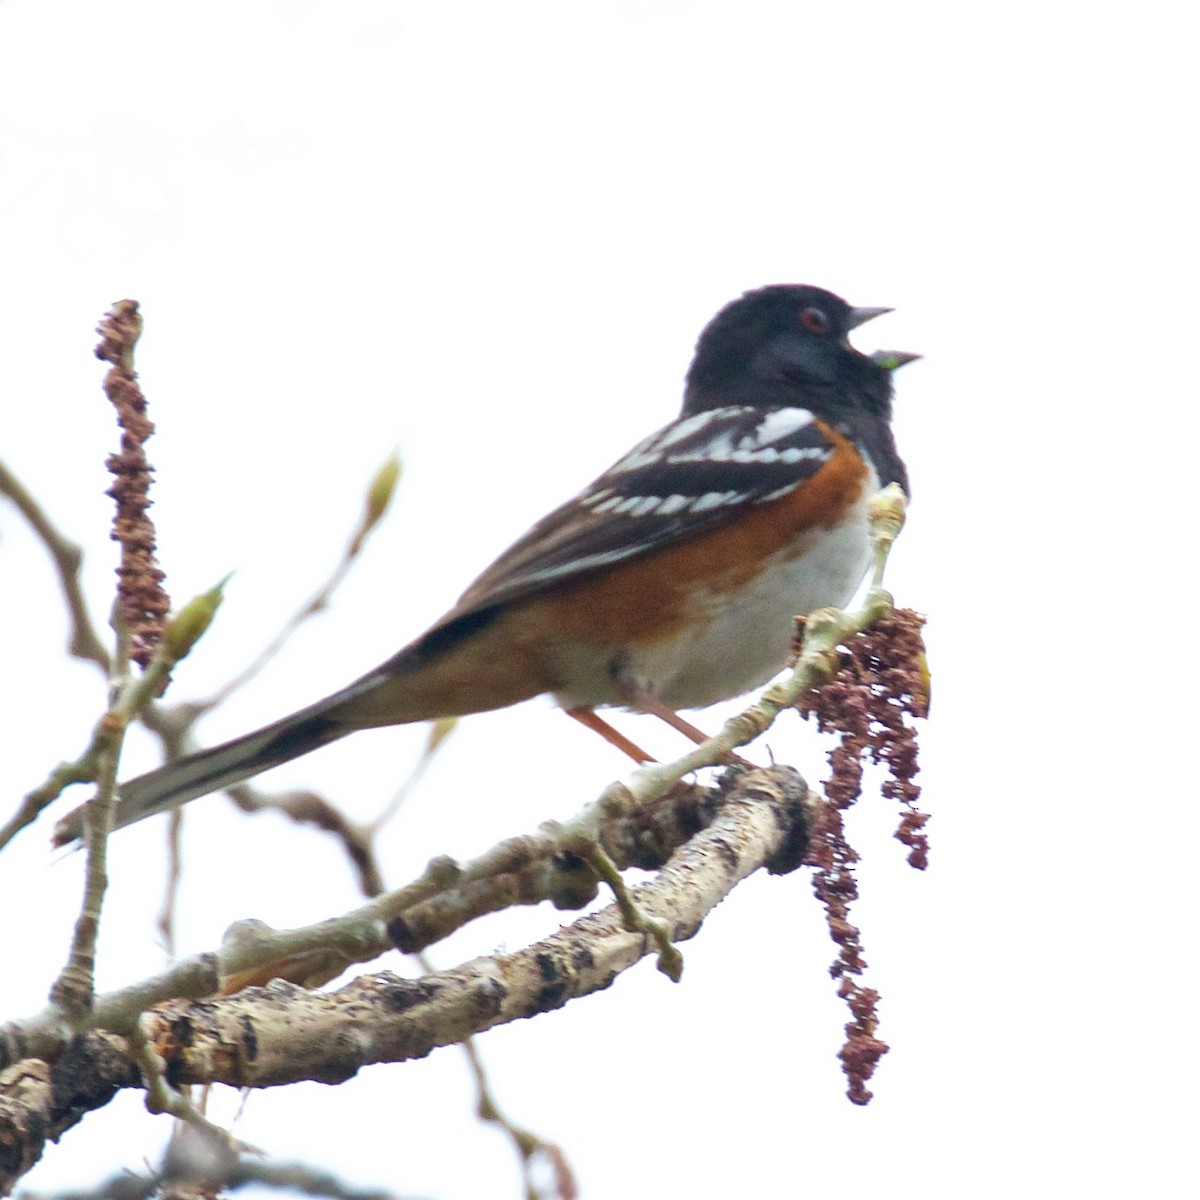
pixel 428 678
pixel 210 770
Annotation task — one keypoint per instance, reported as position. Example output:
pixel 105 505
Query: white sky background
pixel 488 234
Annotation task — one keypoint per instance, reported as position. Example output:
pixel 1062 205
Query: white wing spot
pixel 748 457
pixel 779 423
pixel 608 505
pixel 775 495
pixel 689 426
pixel 795 454
pixel 596 497
pixel 636 459
pixel 674 504
pixel 717 500
pixel 637 506
pixel 769 455
pixel 646 505
pixel 719 448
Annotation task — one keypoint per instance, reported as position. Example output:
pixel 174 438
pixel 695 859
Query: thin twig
pixel 528 1145
pixel 67 556
pixel 222 1173
pixel 670 961
pixel 311 808
pixel 133 696
pixel 166 914
pixel 72 990
pixel 378 499
pixel 161 1097
pixel 439 731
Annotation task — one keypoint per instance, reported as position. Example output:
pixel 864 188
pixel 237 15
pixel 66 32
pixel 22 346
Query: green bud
pixel 188 625
pixel 380 491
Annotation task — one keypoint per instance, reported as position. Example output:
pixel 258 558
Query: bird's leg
pixel 648 703
pixel 585 716
pixel 656 708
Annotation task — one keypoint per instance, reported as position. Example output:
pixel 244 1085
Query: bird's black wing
pixel 695 473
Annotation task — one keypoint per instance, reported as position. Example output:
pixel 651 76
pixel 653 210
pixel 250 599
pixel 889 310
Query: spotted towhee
pixel 671 581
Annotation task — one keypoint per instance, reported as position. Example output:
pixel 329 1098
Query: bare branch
pixel 40 1101
pixel 310 808
pixel 520 870
pixel 283 1033
pixel 529 1146
pixel 193 1169
pixel 376 503
pixel 132 697
pixel 84 643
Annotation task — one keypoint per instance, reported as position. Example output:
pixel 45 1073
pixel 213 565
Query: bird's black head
pixel 787 345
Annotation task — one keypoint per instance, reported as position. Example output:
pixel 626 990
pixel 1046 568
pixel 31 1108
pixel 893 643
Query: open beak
pixel 892 360
pixel 860 316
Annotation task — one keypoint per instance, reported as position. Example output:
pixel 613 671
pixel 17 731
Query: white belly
pixel 746 638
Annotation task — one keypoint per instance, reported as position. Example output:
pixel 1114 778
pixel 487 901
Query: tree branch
pixel 283 1033
pixel 85 642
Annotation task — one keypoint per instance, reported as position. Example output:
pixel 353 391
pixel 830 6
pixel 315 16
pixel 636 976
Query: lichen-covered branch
pixel 520 870
pixel 284 1033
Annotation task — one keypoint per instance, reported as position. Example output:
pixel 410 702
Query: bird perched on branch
pixel 671 581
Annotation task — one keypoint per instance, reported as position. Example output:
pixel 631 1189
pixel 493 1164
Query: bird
pixel 670 582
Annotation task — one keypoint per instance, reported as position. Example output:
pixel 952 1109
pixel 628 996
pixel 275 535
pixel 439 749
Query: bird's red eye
pixel 814 320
